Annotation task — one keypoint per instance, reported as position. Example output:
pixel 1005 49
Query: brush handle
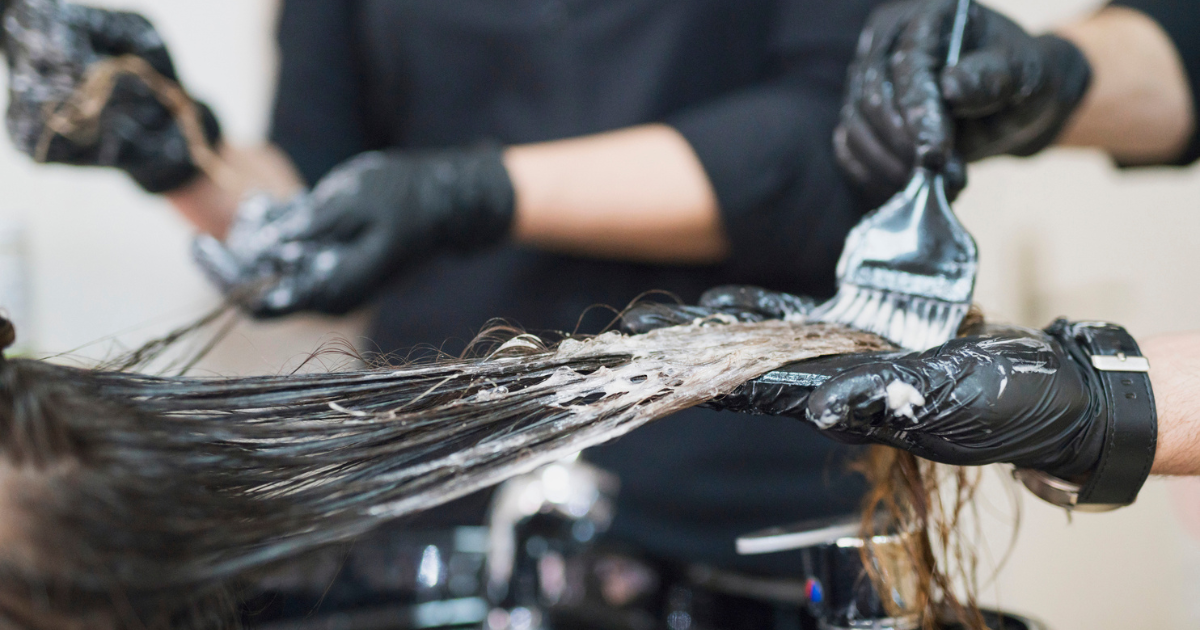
pixel 959 33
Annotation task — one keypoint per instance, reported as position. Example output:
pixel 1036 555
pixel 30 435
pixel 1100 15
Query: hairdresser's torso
pixel 376 74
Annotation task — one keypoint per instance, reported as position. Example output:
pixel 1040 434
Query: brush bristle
pixel 911 322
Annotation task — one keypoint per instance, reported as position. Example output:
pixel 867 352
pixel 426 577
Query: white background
pixel 1063 234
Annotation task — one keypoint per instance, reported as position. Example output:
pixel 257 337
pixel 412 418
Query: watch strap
pixel 1131 424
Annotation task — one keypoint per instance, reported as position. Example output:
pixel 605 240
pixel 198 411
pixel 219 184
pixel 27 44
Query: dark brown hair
pixel 135 502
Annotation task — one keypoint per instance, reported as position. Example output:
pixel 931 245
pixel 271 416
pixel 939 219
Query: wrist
pixel 1176 378
pixel 1121 419
pixel 205 205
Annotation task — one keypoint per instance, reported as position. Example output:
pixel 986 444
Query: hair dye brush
pixel 908 270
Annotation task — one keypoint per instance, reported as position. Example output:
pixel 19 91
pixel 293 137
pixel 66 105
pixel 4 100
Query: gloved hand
pixel 369 219
pixel 50 46
pixel 734 303
pixel 1011 395
pixel 783 392
pixel 1010 93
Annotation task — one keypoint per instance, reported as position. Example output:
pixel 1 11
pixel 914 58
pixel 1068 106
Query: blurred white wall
pixel 1067 234
pixel 1061 234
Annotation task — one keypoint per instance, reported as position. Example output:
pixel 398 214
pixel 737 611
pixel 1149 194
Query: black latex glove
pixel 365 222
pixel 1013 395
pixel 734 303
pixel 49 47
pixel 783 392
pixel 1010 93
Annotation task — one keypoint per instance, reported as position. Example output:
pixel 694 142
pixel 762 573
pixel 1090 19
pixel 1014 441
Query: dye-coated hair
pixel 135 502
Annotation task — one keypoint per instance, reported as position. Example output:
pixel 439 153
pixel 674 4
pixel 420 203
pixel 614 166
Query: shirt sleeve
pixel 1180 19
pixel 318 118
pixel 767 149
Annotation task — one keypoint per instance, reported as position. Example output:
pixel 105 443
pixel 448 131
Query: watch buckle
pixel 1120 362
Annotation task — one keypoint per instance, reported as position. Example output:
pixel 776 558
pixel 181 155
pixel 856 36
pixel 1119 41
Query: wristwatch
pixel 1130 421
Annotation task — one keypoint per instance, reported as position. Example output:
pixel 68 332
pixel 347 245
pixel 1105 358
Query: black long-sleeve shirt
pixel 753 85
pixel 1181 21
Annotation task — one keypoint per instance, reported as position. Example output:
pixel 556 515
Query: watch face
pixel 1051 489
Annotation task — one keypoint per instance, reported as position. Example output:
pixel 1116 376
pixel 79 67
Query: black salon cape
pixel 754 86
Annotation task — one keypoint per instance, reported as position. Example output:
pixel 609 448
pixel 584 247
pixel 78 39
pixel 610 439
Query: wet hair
pixel 132 501
pixel 937 504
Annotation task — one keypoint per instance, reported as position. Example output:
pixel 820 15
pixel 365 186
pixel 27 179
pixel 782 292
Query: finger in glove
pixel 785 392
pixel 916 66
pixel 725 304
pixel 881 167
pixel 260 249
pixel 769 304
pixel 116 33
pixel 981 84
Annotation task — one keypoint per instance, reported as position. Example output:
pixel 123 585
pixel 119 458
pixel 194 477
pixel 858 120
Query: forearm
pixel 210 207
pixel 1175 377
pixel 1139 108
pixel 636 194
